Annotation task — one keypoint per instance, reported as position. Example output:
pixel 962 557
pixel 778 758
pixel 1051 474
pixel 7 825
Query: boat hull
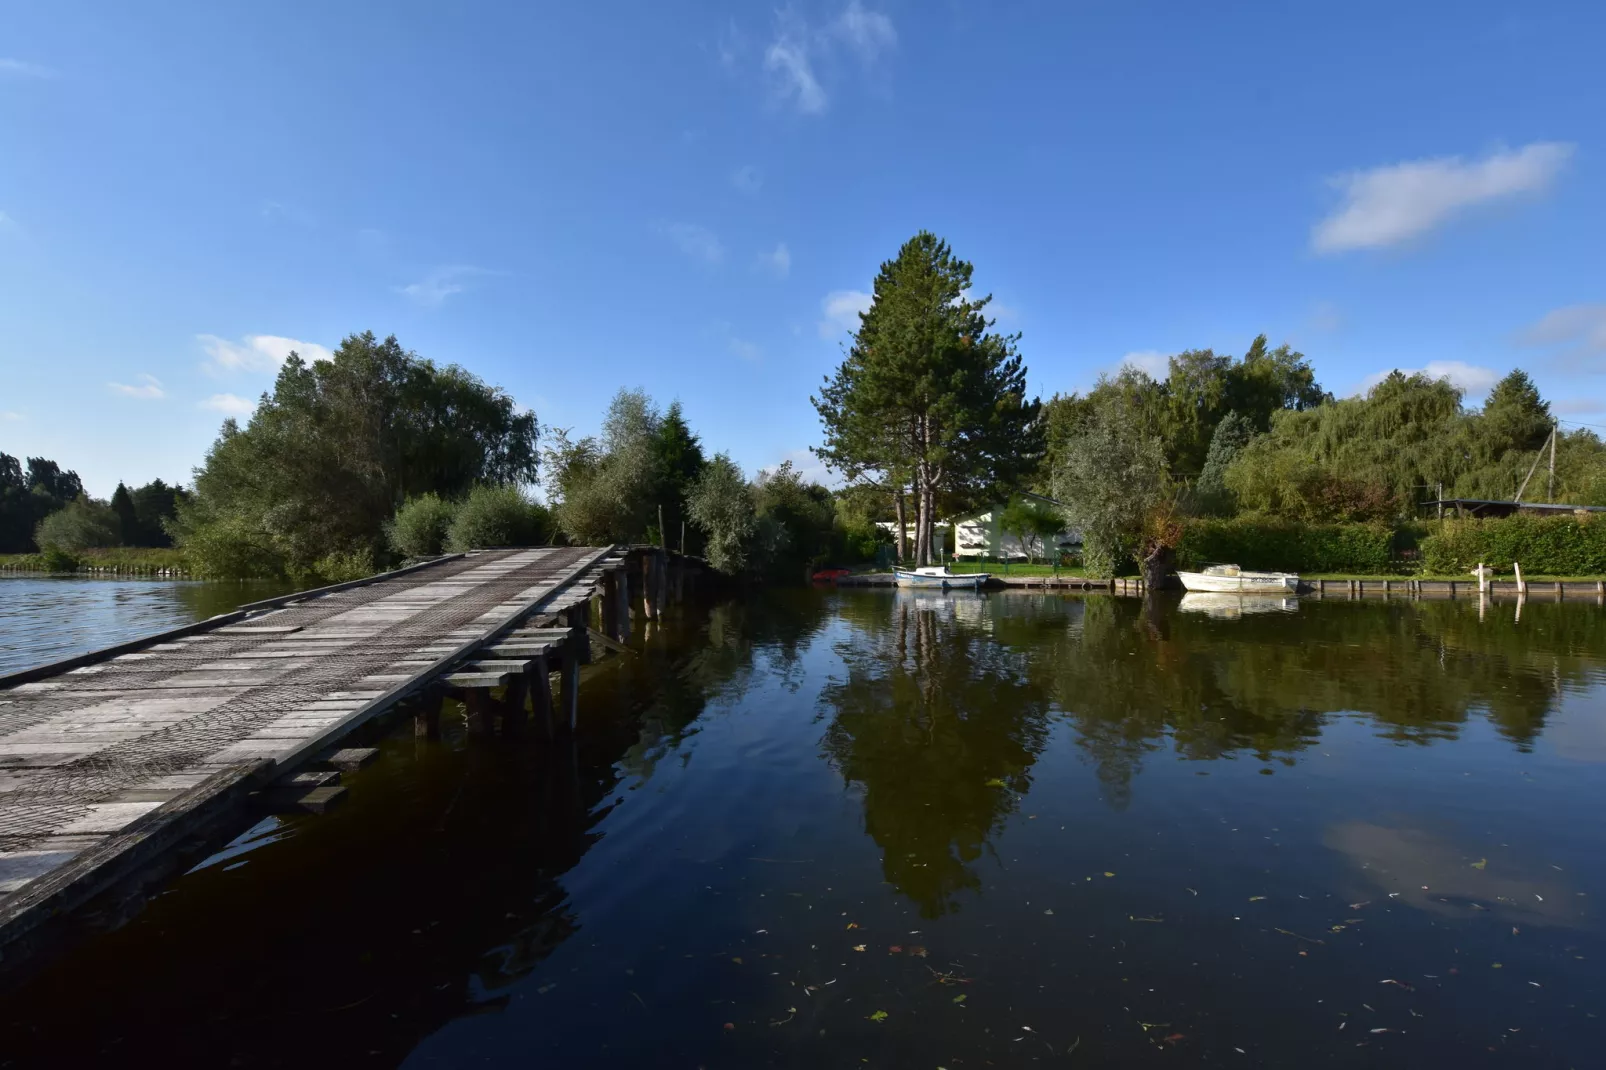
pixel 971 582
pixel 1243 583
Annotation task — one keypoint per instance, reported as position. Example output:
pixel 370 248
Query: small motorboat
pixel 1230 579
pixel 938 576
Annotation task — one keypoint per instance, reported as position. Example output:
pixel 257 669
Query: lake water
pixel 866 829
pixel 46 618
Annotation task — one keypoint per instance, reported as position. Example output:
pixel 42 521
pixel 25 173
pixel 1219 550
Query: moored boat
pixel 939 577
pixel 1230 579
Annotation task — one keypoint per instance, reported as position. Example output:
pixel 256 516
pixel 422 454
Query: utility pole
pixel 1552 493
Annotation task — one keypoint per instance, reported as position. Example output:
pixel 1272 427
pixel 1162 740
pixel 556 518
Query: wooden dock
pixel 115 766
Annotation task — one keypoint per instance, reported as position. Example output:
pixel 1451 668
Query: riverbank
pixel 163 561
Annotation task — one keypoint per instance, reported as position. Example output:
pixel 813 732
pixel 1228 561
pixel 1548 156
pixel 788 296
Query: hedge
pixel 1285 547
pixel 1542 545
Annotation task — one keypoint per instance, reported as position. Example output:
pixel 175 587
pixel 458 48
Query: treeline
pixel 44 509
pixel 1228 455
pixel 378 455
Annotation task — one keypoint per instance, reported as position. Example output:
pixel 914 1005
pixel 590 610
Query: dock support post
pixel 569 691
pixel 610 605
pixel 579 618
pixel 649 586
pixel 621 606
pixel 660 572
pixel 1600 592
pixel 541 695
pixel 477 712
pixel 427 718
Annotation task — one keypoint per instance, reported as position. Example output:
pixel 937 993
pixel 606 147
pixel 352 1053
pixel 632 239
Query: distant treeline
pixel 44 508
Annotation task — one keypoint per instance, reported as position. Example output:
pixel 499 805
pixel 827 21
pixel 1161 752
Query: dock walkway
pixel 107 759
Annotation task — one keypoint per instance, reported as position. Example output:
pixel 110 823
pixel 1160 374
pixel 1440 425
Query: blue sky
pixel 692 198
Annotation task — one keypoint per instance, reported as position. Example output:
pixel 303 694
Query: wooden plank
pixel 351 759
pixel 478 679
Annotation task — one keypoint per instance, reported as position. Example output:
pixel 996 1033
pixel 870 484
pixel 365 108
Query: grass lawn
pixel 120 558
pixel 1502 577
pixel 1015 568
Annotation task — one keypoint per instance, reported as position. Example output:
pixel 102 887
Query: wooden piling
pixel 649 585
pixel 541 695
pixel 569 686
pixel 621 608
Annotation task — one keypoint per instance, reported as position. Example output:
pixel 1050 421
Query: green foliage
pixel 420 526
pixel 1033 522
pixel 927 394
pixel 55 559
pixel 721 504
pixel 329 455
pixel 1211 494
pixel 155 507
pixel 677 462
pixel 1113 483
pixel 1543 545
pixel 122 505
pixel 1287 547
pixel 82 525
pixel 342 566
pixel 496 516
pixel 796 523
pixel 28 496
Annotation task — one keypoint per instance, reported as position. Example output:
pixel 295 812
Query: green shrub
pixel 1288 547
pixel 55 559
pixel 420 527
pixel 231 548
pixel 82 525
pixel 496 516
pixel 342 566
pixel 1543 545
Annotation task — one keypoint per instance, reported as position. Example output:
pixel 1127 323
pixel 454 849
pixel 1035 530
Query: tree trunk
pixel 1157 565
pixel 922 519
pixel 903 530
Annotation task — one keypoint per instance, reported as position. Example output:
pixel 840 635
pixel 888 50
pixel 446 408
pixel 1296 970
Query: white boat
pixel 1234 606
pixel 938 576
pixel 1230 579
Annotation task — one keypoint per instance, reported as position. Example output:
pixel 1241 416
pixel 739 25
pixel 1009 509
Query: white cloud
pixel 149 388
pixel 6 222
pixel 1151 362
pixel 697 242
pixel 7 415
pixel 1471 378
pixel 732 46
pixel 787 60
pixel 746 350
pixel 229 404
pixel 867 32
pixel 777 262
pixel 1580 326
pixel 841 309
pixel 748 179
pixel 1394 202
pixel 808 467
pixel 17 68
pixel 433 290
pixel 256 353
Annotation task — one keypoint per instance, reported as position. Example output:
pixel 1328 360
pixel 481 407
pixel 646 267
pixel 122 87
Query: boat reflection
pixel 1234 606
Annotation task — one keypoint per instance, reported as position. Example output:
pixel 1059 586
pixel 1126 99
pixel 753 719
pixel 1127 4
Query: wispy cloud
pixel 808 467
pixel 1575 330
pixel 777 262
pixel 7 223
pixel 791 59
pixel 8 415
pixel 229 404
pixel 731 45
pixel 749 351
pixel 1395 202
pixel 1151 362
pixel 748 180
pixel 256 352
pixel 868 33
pixel 16 68
pixel 433 290
pixel 695 241
pixel 840 311
pixel 787 61
pixel 148 388
pixel 279 212
pixel 1473 379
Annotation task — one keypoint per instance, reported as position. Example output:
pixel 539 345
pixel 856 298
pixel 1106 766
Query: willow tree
pixel 929 396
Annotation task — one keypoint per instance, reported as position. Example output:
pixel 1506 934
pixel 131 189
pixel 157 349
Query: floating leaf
pixel 879 1016
pixel 1107 873
pixel 917 951
pixel 995 782
pixel 736 960
pixel 894 950
pixel 1480 863
pixel 961 998
pixel 853 925
pixel 1256 898
pixel 859 947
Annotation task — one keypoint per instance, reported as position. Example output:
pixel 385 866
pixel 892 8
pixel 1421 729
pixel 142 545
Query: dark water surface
pixel 47 618
pixel 864 829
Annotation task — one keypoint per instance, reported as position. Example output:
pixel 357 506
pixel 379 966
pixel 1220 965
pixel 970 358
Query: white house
pixel 980 535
